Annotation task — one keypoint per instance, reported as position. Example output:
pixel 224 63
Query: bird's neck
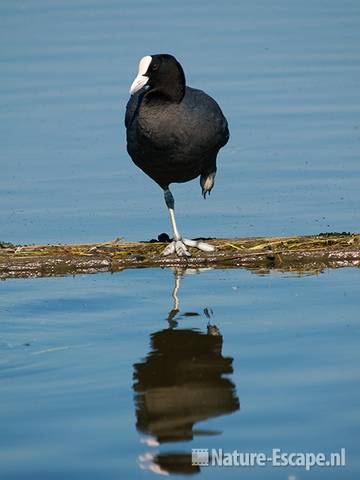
pixel 171 89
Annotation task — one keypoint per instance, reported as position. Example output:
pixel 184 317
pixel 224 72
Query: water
pixel 96 376
pixel 286 75
pixel 99 376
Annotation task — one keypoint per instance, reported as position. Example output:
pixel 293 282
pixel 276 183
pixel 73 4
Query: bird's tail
pixel 207 181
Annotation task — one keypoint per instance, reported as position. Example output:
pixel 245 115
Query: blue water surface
pixel 98 381
pixel 285 73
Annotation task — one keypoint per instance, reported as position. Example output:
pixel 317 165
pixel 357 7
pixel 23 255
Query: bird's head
pixel 161 73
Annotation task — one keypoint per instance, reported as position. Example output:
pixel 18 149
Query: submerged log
pixel 297 254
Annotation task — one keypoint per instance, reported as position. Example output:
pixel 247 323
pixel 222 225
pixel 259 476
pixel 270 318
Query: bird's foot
pixel 179 247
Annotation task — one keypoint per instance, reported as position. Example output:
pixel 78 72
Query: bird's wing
pixel 132 106
pixel 207 119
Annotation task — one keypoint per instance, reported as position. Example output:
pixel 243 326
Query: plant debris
pixel 299 254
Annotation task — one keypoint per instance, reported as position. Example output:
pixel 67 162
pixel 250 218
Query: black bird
pixel 174 133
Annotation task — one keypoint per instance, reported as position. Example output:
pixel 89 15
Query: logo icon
pixel 200 457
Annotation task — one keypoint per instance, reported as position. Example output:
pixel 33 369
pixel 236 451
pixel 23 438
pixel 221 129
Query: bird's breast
pixel 175 127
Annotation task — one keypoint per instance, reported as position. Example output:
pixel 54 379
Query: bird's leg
pixel 178 244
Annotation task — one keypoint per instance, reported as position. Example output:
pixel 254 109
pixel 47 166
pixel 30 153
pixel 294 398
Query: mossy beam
pixel 297 254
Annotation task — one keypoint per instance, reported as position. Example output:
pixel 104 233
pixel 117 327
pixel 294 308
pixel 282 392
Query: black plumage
pixel 174 132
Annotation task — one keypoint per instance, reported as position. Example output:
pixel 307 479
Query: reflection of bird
pixel 179 384
pixel 170 462
pixel 174 133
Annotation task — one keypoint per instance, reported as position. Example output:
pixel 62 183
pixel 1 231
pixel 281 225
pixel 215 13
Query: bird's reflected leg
pixel 178 244
pixel 178 273
pixel 177 276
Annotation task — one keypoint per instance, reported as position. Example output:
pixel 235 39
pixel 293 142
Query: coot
pixel 174 133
